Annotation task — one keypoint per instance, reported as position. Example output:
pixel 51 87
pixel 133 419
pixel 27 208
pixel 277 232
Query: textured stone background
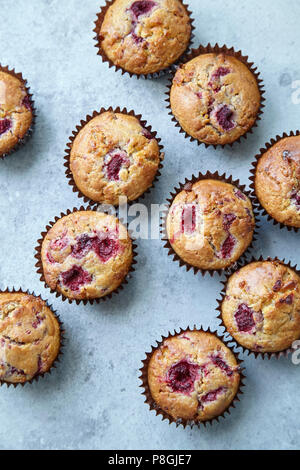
pixel 92 400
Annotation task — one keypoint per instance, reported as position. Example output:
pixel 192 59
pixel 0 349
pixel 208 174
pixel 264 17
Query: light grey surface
pixel 92 400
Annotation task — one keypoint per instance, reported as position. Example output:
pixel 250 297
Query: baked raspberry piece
pixel 106 248
pixel 244 318
pixel 85 243
pixel 224 117
pixel 188 221
pixel 181 376
pixel 228 220
pixel 5 125
pixel 26 102
pixel 227 247
pixel 141 7
pixel 219 362
pixel 76 277
pixel 295 198
pixel 114 162
pixel 213 395
pixel 287 300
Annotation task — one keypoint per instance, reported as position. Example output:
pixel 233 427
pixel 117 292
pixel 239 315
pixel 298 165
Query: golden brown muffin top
pixel 145 36
pixel 210 224
pixel 277 181
pixel 193 376
pixel 86 255
pixel 261 309
pixel 15 111
pixel 215 98
pixel 29 337
pixel 114 156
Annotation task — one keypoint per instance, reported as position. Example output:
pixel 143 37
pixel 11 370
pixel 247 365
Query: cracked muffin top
pixel 145 36
pixel 210 224
pixel 86 255
pixel 193 376
pixel 215 98
pixel 113 156
pixel 261 308
pixel 15 112
pixel 29 337
pixel 277 181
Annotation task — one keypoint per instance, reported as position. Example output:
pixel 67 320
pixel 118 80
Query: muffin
pixel 114 156
pixel 86 255
pixel 29 337
pixel 193 376
pixel 210 224
pixel 16 113
pixel 261 306
pixel 144 36
pixel 277 181
pixel 215 98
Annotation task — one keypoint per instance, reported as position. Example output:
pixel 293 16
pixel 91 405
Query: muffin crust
pixel 210 224
pixel 86 255
pixel 145 36
pixel 15 112
pixel 261 308
pixel 277 181
pixel 114 156
pixel 215 98
pixel 193 376
pixel 29 337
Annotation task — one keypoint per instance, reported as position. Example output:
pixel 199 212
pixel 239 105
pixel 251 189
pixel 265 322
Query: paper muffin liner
pixel 29 133
pixel 185 185
pixel 263 355
pixel 39 264
pixel 62 338
pixel 257 157
pixel 83 123
pixel 184 422
pixel 160 73
pixel 230 52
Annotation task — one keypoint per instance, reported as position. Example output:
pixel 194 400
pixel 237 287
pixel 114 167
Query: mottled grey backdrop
pixel 92 400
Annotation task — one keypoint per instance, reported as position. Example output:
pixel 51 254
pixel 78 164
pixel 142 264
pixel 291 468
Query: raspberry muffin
pixel 261 307
pixel 210 224
pixel 193 376
pixel 86 255
pixel 215 98
pixel 29 337
pixel 16 113
pixel 144 36
pixel 277 181
pixel 113 156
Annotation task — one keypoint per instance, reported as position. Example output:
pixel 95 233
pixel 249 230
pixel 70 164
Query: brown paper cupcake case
pixel 185 185
pixel 257 157
pixel 219 50
pixel 249 352
pixel 101 53
pixel 29 133
pixel 190 423
pixel 88 118
pixel 39 265
pixel 62 338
